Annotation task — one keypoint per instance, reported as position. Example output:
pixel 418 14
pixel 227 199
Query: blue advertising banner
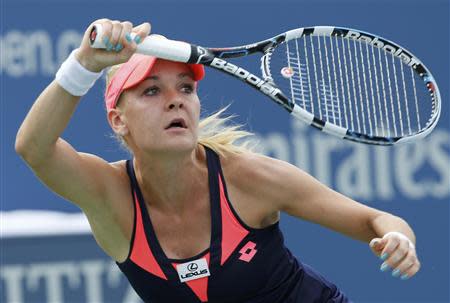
pixel 411 181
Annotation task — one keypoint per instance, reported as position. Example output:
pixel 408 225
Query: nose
pixel 175 104
pixel 175 101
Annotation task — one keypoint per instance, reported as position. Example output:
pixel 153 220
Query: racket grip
pixel 153 45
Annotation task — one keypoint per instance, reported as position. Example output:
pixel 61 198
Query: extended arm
pixel 84 179
pixel 281 186
pixel 79 177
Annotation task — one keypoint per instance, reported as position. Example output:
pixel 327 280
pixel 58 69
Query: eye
pixel 187 88
pixel 151 91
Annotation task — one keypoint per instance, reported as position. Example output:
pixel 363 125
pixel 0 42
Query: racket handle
pixel 153 45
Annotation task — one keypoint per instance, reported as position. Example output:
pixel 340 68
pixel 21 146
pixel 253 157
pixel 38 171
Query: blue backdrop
pixel 411 181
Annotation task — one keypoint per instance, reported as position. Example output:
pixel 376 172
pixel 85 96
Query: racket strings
pixel 352 84
pixel 300 90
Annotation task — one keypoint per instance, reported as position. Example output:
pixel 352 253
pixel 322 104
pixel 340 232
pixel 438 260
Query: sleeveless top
pixel 245 265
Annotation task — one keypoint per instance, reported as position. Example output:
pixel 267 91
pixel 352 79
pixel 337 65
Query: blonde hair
pixel 219 134
pixel 215 131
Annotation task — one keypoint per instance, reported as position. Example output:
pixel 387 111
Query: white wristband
pixel 74 77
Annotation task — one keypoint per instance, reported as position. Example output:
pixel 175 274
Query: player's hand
pixel 117 38
pixel 398 254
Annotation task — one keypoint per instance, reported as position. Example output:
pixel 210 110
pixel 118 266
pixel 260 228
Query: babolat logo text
pixel 262 85
pixel 375 42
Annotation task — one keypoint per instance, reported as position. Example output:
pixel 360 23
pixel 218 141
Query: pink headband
pixel 133 72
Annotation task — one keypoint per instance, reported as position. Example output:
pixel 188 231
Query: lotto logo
pixel 248 251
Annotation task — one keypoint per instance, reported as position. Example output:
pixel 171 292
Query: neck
pixel 171 183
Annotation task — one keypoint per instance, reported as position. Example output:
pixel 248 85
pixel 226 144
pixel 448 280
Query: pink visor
pixel 133 72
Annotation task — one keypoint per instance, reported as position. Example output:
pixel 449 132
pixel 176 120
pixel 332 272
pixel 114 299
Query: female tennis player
pixel 193 216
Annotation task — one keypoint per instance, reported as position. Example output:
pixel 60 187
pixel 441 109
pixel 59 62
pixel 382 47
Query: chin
pixel 179 146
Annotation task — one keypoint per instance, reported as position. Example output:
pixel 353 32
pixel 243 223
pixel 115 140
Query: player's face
pixel 162 112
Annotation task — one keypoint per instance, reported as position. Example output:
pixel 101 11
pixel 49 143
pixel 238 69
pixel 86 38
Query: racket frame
pixel 155 45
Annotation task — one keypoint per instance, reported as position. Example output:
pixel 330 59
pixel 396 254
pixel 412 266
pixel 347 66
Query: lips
pixel 176 123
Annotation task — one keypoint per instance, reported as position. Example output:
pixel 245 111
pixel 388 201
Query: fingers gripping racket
pixel 345 82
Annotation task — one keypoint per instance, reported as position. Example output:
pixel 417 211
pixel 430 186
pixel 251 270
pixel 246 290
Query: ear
pixel 117 121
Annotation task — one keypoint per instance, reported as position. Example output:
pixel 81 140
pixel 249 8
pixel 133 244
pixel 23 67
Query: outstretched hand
pixel 398 253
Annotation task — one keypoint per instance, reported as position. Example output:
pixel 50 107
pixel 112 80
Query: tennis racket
pixel 345 82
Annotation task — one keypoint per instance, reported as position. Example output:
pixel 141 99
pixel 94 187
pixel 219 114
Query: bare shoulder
pixel 259 184
pixel 119 167
pixel 256 171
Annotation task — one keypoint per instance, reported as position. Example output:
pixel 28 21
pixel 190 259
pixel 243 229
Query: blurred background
pixel 47 251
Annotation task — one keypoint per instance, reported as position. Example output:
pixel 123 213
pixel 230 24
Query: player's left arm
pixel 299 194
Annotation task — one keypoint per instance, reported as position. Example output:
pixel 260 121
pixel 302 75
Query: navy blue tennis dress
pixel 242 265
